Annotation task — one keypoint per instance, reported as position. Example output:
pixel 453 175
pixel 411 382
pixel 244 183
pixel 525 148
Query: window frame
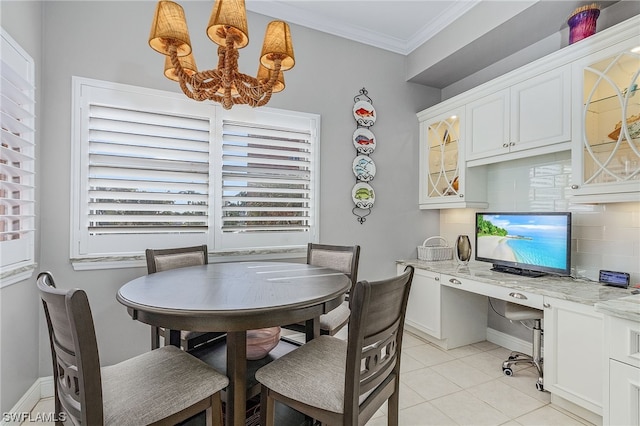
pixel 17 256
pixel 82 257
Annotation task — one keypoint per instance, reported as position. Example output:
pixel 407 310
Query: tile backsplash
pixel 604 236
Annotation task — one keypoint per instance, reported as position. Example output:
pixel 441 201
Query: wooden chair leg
pixel 393 410
pixel 216 408
pixel 267 408
pixel 155 337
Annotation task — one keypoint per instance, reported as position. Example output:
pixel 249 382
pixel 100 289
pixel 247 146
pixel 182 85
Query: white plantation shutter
pixel 267 179
pixel 153 169
pixel 17 156
pixel 145 178
pixel 148 172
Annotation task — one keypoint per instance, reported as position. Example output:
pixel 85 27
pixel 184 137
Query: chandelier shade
pixel 188 64
pixel 228 29
pixel 264 74
pixel 169 24
pixel 229 16
pixel 277 44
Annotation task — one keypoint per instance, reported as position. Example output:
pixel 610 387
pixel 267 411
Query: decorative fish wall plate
pixel 363 195
pixel 364 113
pixel 364 140
pixel 364 168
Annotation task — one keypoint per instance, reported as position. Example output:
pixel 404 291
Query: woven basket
pixel 441 251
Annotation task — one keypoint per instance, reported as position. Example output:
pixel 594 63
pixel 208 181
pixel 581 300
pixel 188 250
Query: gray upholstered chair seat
pixel 336 318
pixel 315 374
pixel 169 375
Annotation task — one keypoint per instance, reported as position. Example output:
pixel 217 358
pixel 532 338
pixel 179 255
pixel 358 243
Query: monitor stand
pixel 517 271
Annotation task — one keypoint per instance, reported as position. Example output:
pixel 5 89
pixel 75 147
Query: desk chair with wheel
pixel 516 312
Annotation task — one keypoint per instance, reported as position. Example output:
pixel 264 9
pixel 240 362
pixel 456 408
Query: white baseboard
pixel 508 341
pixel 41 388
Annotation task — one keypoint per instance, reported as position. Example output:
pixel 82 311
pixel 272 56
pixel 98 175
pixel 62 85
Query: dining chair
pixel 162 387
pixel 159 260
pixel 344 259
pixel 338 382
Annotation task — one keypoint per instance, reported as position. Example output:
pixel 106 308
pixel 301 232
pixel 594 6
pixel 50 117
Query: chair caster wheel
pixel 507 371
pixel 539 386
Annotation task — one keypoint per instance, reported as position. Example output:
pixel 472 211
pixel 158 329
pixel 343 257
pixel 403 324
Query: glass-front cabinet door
pixel 607 155
pixel 442 165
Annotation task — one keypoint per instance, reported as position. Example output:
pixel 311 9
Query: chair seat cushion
pixel 312 374
pixel 336 318
pixel 172 381
pixel 516 312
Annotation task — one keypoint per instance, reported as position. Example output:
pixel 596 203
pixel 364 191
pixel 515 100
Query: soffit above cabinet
pixel 443 40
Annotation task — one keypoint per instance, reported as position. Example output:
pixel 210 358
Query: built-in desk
pixel 448 305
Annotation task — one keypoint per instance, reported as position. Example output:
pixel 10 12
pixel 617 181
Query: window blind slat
pixel 14 125
pixel 21 112
pixel 125 142
pixel 14 92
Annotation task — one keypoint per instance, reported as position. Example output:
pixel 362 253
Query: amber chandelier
pixel 228 29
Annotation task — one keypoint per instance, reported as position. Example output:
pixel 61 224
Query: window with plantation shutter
pixel 267 180
pixel 157 169
pixel 146 170
pixel 17 159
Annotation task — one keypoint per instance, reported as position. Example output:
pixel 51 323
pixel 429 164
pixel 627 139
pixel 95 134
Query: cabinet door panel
pixel 624 397
pixel 423 307
pixel 488 125
pixel 541 110
pixel 574 353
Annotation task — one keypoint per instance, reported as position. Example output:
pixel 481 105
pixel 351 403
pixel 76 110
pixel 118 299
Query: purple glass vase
pixel 582 24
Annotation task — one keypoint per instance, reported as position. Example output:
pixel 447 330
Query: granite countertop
pixel 610 300
pixel 624 307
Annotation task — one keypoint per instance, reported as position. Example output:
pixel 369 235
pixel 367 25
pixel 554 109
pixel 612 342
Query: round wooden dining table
pixel 235 297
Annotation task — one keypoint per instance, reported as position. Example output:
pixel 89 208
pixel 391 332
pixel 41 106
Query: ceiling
pixel 398 26
pixel 403 26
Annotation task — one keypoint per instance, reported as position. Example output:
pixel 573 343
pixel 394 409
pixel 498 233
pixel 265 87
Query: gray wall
pixel 108 41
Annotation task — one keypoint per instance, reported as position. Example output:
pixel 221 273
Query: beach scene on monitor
pixel 525 239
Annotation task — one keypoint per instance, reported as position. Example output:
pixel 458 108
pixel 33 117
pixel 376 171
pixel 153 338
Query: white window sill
pixel 139 261
pixel 9 276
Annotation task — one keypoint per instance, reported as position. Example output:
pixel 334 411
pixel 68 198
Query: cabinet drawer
pixel 503 293
pixel 624 338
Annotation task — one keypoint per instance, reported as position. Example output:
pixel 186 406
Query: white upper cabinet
pixel 583 98
pixel 445 182
pixel 529 118
pixel 606 150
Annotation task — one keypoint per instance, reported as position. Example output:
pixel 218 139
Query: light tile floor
pixel 463 386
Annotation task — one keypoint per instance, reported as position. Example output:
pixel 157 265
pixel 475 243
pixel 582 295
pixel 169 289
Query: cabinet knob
pixel 455 281
pixel 546 305
pixel 436 279
pixel 574 186
pixel 461 195
pixel 505 145
pixel 512 143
